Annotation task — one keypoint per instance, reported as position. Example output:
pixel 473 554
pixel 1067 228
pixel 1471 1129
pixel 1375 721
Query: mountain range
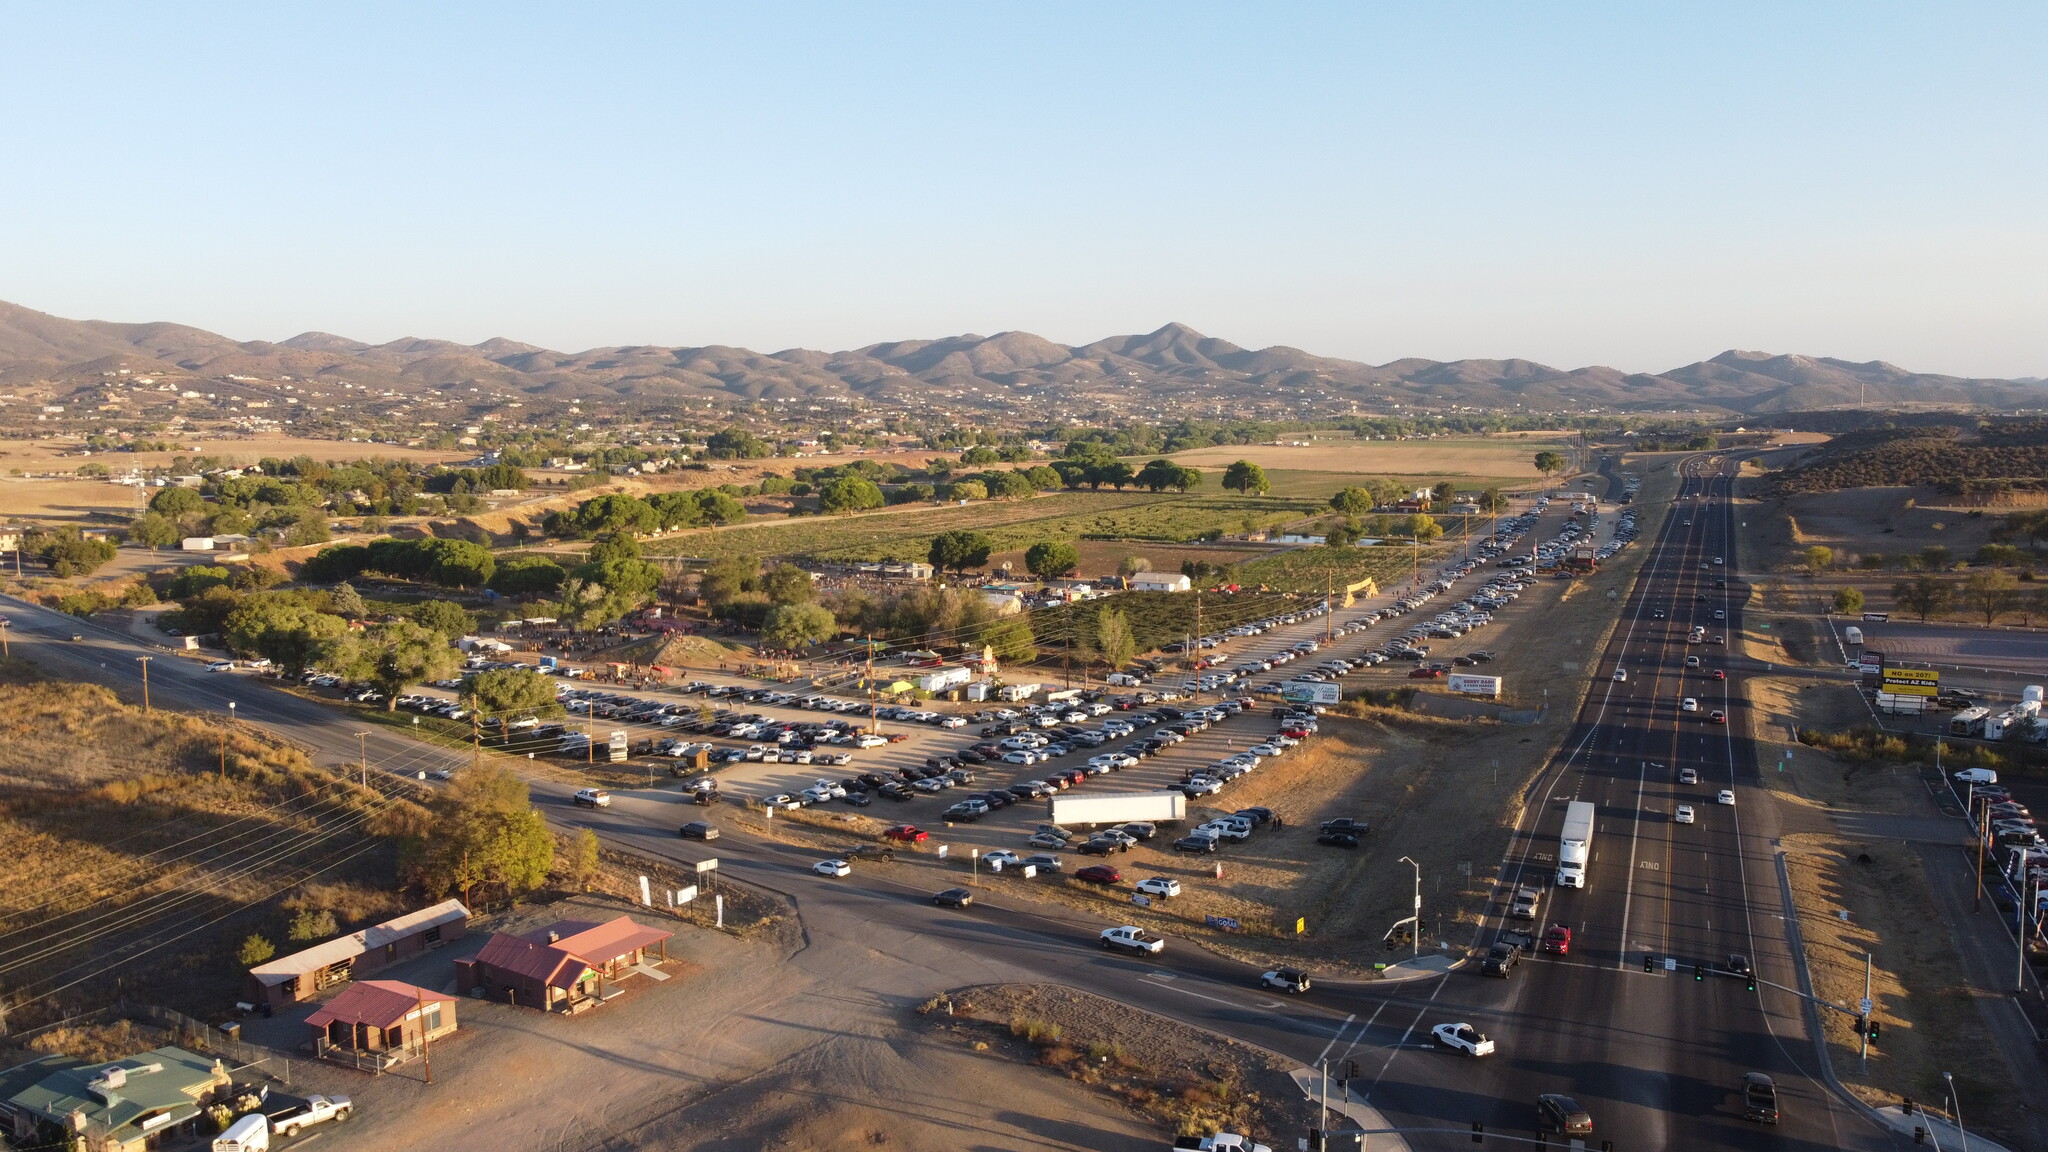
pixel 1011 371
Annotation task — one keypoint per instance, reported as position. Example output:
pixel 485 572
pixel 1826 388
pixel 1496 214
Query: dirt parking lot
pixel 738 1049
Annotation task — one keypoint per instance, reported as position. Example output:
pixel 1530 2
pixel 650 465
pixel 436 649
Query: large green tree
pixel 1992 594
pixel 788 584
pixel 177 503
pixel 1010 639
pixel 282 627
pixel 1549 463
pixel 393 657
pixel 959 550
pixel 1925 596
pixel 527 575
pixel 1051 559
pixel 1113 638
pixel 1352 501
pixel 1159 475
pixel 154 530
pixel 850 494
pixel 484 838
pixel 792 626
pixel 513 691
pixel 1245 478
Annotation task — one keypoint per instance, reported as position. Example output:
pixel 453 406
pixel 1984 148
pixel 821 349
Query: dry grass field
pixel 69 500
pixel 45 455
pixel 1499 457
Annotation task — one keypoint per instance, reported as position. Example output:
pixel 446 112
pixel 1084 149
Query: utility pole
pixel 1863 1024
pixel 2030 921
pixel 1983 835
pixel 426 1048
pixel 6 652
pixel 476 740
pixel 1329 608
pixel 363 753
pixel 874 708
pixel 144 661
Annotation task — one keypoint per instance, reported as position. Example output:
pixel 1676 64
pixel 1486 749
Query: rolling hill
pixel 1165 370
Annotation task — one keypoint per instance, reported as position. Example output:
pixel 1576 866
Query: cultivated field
pixel 43 455
pixel 1438 458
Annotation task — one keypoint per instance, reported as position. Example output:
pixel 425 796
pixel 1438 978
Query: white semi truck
pixel 1575 845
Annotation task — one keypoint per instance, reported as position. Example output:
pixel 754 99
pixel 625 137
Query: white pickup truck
pixel 289 1115
pixel 1133 939
pixel 1220 1142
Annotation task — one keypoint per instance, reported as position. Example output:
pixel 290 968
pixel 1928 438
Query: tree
pixel 1924 596
pixel 313 924
pixel 980 455
pixel 1549 463
pixel 1113 638
pixel 1342 535
pixel 1443 491
pixel 1245 478
pixel 1043 477
pixel 484 834
pixel 1819 558
pixel 510 691
pixel 1130 566
pixel 1008 485
pixel 1992 594
pixel 716 507
pixel 1848 601
pixel 154 530
pixel 1049 560
pixel 959 550
pixel 1422 527
pixel 457 563
pixel 1352 501
pixel 527 575
pixel 69 553
pixel 792 626
pixel 736 444
pixel 393 657
pixel 966 490
pixel 339 563
pixel 614 513
pixel 578 862
pixel 255 949
pixel 346 603
pixel 789 584
pixel 176 503
pixel 498 477
pixel 309 526
pixel 1935 557
pixel 1010 640
pixel 447 618
pixel 1492 500
pixel 282 627
pixel 196 579
pixel 1159 475
pixel 1114 473
pixel 850 494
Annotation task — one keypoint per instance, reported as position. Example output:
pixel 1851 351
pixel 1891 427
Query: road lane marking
pixel 1340 1032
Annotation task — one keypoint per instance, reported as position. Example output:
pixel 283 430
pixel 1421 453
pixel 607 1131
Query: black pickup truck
pixel 1759 1098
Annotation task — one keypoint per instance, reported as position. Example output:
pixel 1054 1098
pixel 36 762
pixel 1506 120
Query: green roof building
pixel 132 1104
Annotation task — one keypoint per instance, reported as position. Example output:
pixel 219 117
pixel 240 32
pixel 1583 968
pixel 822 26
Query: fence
pixel 187 1032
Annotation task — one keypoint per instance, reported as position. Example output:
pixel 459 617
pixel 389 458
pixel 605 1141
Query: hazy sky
pixel 1633 184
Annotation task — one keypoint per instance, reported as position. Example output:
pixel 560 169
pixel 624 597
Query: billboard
pixel 1473 685
pixel 1912 682
pixel 1304 693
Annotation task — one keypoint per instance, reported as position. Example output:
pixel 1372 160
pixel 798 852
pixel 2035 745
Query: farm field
pixel 42 455
pixel 1306 484
pixel 1314 569
pixel 1068 516
pixel 69 500
pixel 1503 458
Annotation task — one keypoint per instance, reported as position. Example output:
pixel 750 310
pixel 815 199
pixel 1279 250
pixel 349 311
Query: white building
pixel 1160 582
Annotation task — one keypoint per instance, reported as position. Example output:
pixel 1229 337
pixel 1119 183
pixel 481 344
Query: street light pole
pixel 144 661
pixel 363 752
pixel 1955 1103
pixel 1415 933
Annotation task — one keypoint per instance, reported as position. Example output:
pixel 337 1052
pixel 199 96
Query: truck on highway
pixel 1968 722
pixel 1121 808
pixel 1575 845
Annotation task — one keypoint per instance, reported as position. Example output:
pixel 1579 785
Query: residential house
pixel 382 1016
pixel 139 1102
pixel 1160 582
pixel 299 976
pixel 565 966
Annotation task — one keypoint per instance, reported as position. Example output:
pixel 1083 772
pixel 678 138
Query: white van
pixel 1976 776
pixel 249 1134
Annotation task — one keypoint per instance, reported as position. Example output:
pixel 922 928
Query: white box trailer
pixel 1575 844
pixel 249 1134
pixel 1897 705
pixel 1471 685
pixel 1150 807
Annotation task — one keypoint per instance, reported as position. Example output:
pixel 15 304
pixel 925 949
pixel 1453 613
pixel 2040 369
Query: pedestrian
pixel 1279 822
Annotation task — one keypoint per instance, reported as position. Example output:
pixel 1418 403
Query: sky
pixel 1638 185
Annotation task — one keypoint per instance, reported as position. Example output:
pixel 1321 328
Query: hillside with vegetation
pixel 1978 463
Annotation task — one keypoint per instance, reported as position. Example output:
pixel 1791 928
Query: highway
pixel 1655 1058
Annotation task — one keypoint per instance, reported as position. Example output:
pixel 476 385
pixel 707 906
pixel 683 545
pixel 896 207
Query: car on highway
pixel 953 898
pixel 1291 980
pixel 1099 874
pixel 1738 965
pixel 593 798
pixel 1621 675
pixel 1725 796
pixel 698 830
pixel 1133 939
pixel 1159 886
pixel 1522 906
pixel 1692 661
pixel 1759 1098
pixel 1720 674
pixel 1684 814
pixel 1561 1115
pixel 1688 776
pixel 1557 939
pixel 1463 1038
pixel 907 833
pixel 1717 717
pixel 1501 960
pixel 832 868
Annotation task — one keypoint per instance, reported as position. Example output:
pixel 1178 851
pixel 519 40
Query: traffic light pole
pixel 1866 1027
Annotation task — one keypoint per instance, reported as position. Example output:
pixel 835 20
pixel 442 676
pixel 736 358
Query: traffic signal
pixel 1478 1132
pixel 1752 981
pixel 1315 1140
pixel 1649 961
pixel 1699 972
pixel 1872 1029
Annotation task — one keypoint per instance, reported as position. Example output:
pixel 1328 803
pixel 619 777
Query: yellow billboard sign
pixel 1912 682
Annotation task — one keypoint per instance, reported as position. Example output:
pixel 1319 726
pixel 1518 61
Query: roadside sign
pixel 1866 1006
pixel 1912 681
pixel 1030 871
pixel 1671 964
pixel 1141 900
pixel 1227 923
pixel 1300 925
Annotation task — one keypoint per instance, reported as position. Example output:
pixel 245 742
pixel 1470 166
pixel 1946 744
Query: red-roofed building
pixel 566 965
pixel 382 1016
